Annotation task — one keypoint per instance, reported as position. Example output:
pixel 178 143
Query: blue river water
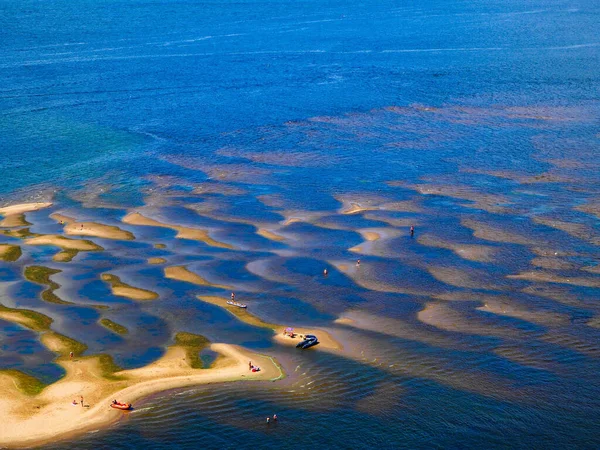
pixel 336 125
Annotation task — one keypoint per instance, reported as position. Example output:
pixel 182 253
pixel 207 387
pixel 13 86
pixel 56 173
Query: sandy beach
pixel 182 273
pixel 50 415
pixel 14 215
pixel 121 289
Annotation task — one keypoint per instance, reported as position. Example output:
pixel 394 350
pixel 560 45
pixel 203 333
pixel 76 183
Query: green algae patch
pixel 193 344
pixel 9 252
pixel 25 383
pixel 113 326
pixel 108 367
pixel 41 275
pixel 22 233
pixel 241 313
pixel 30 319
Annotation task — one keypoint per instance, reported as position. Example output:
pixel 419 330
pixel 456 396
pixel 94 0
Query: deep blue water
pixel 236 116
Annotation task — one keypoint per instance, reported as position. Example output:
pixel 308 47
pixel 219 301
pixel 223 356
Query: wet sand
pixel 471 252
pixel 182 273
pixel 156 261
pixel 14 215
pixel 74 228
pixel 182 232
pixel 121 289
pixel 549 277
pixel 64 243
pixel 10 252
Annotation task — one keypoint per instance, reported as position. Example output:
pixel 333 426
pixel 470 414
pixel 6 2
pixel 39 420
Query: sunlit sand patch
pixel 472 252
pixel 74 228
pixel 156 260
pixel 10 252
pixel 471 279
pixel 182 232
pixel 552 263
pixel 52 415
pixel 121 289
pixel 14 215
pixel 344 321
pixel 213 187
pixel 594 323
pixel 393 221
pixel 182 273
pixel 268 234
pixel 325 339
pixel 374 240
pixel 296 216
pixel 548 277
pixel 494 203
pixel 362 203
pixel 80 245
pixel 578 230
pixel 113 326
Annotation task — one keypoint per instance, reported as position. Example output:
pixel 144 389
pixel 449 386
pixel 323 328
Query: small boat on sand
pixel 309 341
pixel 239 305
pixel 121 406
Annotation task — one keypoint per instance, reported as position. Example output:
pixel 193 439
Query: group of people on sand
pixel 252 367
pixel 75 402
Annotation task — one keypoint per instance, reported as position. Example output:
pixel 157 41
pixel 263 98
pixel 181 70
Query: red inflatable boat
pixel 123 406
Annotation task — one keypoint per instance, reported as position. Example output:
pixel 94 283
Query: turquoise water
pixel 475 122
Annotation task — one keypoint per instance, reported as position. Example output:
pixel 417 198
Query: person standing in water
pixel 232 296
pixel 412 231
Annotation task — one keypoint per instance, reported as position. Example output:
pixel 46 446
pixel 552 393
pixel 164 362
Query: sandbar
pixel 121 289
pixel 325 339
pixel 94 229
pixel 268 234
pixel 553 278
pixel 194 234
pixel 22 208
pixel 182 273
pixel 64 243
pixel 50 415
pixel 472 252
pixel 156 260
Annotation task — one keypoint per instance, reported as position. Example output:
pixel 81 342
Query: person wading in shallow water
pixel 412 231
pixel 232 296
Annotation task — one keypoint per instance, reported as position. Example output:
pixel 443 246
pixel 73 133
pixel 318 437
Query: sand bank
pixel 156 260
pixel 64 243
pixel 325 339
pixel 121 289
pixel 30 420
pixel 182 273
pixel 472 252
pixel 194 234
pixel 94 229
pixel 14 215
pixel 268 234
pixel 553 278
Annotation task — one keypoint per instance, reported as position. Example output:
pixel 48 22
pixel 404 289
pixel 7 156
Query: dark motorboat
pixel 309 341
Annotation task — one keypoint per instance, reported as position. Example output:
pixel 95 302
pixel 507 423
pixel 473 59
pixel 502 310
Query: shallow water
pixel 476 123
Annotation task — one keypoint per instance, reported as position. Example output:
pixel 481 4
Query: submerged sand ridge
pixel 182 232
